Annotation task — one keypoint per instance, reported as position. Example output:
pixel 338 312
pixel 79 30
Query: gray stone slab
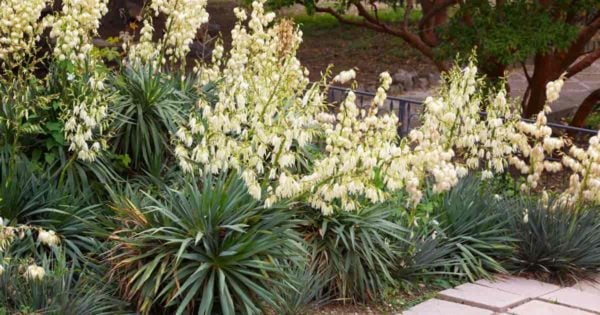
pixel 441 307
pixel 544 308
pixel 574 298
pixel 589 287
pixel 521 286
pixel 483 297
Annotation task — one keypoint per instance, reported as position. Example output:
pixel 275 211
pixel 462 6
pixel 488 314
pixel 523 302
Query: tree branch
pixel 344 20
pixel 371 22
pixel 527 76
pixel 436 9
pixel 585 62
pixel 585 108
pixel 583 37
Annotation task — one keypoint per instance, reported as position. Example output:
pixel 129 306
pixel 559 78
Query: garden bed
pixel 133 182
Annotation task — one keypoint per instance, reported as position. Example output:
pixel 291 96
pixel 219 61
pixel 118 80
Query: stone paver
pixel 575 298
pixel 484 297
pixel 441 307
pixel 588 286
pixel 515 296
pixel 544 308
pixel 521 286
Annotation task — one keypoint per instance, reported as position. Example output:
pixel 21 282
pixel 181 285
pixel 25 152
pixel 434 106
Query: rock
pixel 434 78
pixel 422 83
pixel 395 90
pixel 405 79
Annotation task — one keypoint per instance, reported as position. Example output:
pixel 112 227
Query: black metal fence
pixel 408 111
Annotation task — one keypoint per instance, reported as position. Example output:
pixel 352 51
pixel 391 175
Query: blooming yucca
pixel 357 141
pixel 184 17
pixel 585 180
pixel 35 272
pixel 265 110
pixel 20 28
pixel 85 121
pixel 74 27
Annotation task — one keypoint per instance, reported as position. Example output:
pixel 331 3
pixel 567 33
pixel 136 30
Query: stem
pixel 165 35
pixel 64 170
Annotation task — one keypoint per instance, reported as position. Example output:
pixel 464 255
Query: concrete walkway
pixel 513 295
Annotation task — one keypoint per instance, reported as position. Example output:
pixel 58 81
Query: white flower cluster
pixel 20 28
pixel 74 27
pixel 535 143
pixel 35 272
pixel 184 18
pixel 585 164
pixel 358 143
pixel 345 76
pixel 453 120
pixel 48 238
pixel 8 235
pixel 86 120
pixel 553 89
pixel 265 114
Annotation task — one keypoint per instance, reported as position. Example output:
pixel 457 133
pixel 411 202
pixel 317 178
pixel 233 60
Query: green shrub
pixel 556 241
pixel 63 290
pixel 39 201
pixel 460 234
pixel 471 221
pixel 209 250
pixel 303 293
pixel 150 107
pixel 354 251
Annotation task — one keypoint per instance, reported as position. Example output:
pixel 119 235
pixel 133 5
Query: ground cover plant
pixel 236 187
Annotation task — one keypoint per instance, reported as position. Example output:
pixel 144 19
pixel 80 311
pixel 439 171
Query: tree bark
pixel 546 69
pixel 585 109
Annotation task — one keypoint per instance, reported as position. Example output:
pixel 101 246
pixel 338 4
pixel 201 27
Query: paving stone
pixel 544 308
pixel 588 286
pixel 483 297
pixel 521 286
pixel 441 307
pixel 575 298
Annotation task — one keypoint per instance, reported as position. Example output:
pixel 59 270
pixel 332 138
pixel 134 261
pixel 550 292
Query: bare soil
pixel 342 46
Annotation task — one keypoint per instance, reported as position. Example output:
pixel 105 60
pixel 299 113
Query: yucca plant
pixel 149 109
pixel 304 291
pixel 27 198
pixel 62 290
pixel 472 222
pixel 427 257
pixel 208 250
pixel 354 251
pixel 556 241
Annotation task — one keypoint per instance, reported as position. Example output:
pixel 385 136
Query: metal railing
pixel 408 111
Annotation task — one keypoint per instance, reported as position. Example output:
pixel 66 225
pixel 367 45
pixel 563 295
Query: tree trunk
pixel 586 108
pixel 546 69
